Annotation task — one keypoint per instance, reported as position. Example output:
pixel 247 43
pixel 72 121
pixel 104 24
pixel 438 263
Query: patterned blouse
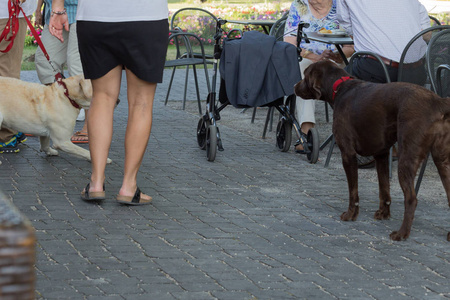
pixel 300 12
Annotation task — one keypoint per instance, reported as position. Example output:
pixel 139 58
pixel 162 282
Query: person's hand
pixel 328 54
pixel 19 1
pixel 57 24
pixel 38 18
pixel 336 57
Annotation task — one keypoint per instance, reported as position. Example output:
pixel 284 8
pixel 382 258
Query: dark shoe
pixel 21 137
pixel 9 147
pixel 92 196
pixel 135 200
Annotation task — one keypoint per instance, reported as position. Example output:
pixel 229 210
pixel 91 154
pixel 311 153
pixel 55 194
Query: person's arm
pixel 38 21
pixel 343 16
pixel 58 19
pixel 305 53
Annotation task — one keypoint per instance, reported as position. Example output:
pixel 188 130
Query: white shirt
pixel 122 10
pixel 383 26
pixel 29 7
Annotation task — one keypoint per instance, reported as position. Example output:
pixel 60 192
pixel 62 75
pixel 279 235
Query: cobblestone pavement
pixel 254 224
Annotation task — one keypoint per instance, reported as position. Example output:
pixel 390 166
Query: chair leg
pixel 422 171
pixel 326 112
pixel 197 90
pixel 390 161
pixel 170 85
pixel 271 119
pixel 268 117
pixel 330 151
pixel 185 86
pixel 253 115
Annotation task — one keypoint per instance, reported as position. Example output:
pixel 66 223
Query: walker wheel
pixel 211 142
pixel 313 145
pixel 201 133
pixel 284 135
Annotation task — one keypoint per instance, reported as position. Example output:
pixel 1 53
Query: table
pixel 338 41
pixel 265 24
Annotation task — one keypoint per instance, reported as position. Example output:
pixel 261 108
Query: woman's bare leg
pixel 100 123
pixel 140 111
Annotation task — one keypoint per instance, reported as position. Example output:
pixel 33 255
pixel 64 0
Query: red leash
pixel 13 23
pixel 11 26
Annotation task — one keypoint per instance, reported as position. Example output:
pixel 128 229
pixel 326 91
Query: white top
pixel 122 10
pixel 383 26
pixel 29 7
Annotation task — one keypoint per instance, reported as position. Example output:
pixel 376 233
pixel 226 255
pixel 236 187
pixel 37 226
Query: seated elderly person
pixel 318 14
pixel 385 32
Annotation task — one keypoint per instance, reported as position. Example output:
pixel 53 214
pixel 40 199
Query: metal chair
pixel 437 60
pixel 434 21
pixel 184 42
pixel 202 24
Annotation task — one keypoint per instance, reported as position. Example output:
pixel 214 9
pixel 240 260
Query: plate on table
pixel 333 33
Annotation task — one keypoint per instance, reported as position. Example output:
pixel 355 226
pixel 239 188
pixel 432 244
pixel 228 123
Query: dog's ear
pixel 316 87
pixel 86 87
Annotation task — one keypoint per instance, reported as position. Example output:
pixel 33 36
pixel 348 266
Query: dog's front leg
pixel 382 162
pixel 351 170
pixel 45 146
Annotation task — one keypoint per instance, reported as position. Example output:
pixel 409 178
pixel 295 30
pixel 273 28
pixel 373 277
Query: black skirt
pixel 139 46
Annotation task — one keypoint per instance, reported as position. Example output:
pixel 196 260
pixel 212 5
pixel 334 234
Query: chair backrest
pixel 434 21
pixel 359 54
pixel 438 53
pixel 439 75
pixel 197 21
pixel 277 29
pixel 413 66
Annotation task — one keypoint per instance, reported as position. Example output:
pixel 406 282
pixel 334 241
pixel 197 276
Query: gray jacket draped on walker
pixel 258 70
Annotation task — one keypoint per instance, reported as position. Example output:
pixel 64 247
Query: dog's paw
pixel 50 151
pixel 382 214
pixel 398 235
pixel 108 161
pixel 350 215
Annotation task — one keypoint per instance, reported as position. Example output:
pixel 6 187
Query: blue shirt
pixel 71 8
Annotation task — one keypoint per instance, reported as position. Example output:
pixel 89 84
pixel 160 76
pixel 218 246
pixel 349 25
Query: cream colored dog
pixel 45 111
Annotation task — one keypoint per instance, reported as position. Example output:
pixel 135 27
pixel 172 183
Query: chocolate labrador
pixel 369 118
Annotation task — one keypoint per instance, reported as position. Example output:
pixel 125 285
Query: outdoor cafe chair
pixel 437 60
pixel 184 42
pixel 202 24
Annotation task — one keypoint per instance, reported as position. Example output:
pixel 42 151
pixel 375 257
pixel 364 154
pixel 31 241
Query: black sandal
pixel 92 196
pixel 135 200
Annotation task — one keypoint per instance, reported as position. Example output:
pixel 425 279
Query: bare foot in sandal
pixel 138 198
pixel 80 137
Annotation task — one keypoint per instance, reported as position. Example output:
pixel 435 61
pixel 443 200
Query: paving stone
pixel 254 224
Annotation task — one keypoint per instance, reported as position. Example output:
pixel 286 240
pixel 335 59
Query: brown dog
pixel 369 118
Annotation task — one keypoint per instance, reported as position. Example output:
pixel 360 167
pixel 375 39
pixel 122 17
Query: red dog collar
pixel 59 79
pixel 338 82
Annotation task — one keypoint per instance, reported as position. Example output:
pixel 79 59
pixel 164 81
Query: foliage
pixel 29 38
pixel 204 26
